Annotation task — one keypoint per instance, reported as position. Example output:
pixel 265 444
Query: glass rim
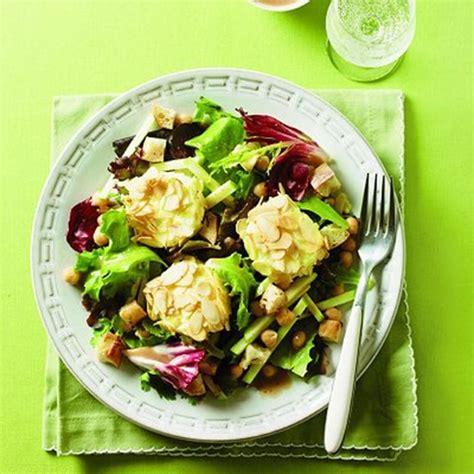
pixel 412 4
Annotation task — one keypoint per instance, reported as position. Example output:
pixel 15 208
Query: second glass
pixel 367 38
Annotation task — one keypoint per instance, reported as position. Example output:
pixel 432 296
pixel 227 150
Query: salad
pixel 217 254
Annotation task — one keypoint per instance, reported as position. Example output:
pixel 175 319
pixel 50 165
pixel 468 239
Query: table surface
pixel 57 47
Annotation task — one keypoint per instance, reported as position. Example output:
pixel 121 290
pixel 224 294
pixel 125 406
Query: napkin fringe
pixel 190 452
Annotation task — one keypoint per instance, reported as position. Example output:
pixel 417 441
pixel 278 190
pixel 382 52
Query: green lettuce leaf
pixel 237 276
pixel 297 361
pixel 102 327
pixel 323 210
pixel 111 272
pixel 248 153
pixel 219 139
pixel 208 111
pixel 115 227
pixel 157 335
pixel 118 266
pixel 244 181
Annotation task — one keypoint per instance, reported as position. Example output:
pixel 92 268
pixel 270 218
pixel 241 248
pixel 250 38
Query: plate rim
pixel 59 163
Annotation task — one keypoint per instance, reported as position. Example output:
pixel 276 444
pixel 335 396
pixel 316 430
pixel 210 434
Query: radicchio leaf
pixel 267 129
pixel 82 224
pixel 176 363
pixel 294 167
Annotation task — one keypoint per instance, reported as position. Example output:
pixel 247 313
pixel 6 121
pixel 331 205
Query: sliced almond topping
pixel 195 323
pixel 204 288
pixel 269 231
pixel 185 280
pixel 278 254
pixel 287 223
pixel 172 203
pixel 210 311
pixel 174 273
pixel 280 201
pixel 284 242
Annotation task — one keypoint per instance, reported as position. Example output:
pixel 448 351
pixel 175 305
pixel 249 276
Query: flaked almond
pixel 278 254
pixel 280 201
pixel 185 280
pixel 172 203
pixel 204 288
pixel 195 323
pixel 287 223
pixel 270 232
pixel 210 311
pixel 174 273
pixel 284 242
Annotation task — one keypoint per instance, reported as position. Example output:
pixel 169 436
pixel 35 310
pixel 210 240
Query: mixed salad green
pixel 217 254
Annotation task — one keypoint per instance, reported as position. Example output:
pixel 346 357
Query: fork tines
pixel 376 217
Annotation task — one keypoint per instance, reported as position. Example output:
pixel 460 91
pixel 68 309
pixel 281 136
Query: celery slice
pixel 346 297
pixel 313 308
pixel 147 126
pixel 220 194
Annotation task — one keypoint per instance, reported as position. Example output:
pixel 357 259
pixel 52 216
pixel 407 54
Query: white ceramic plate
pixel 81 169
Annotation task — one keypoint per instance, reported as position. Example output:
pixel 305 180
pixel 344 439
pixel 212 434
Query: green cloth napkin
pixel 384 420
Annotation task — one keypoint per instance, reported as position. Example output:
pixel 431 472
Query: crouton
pixel 330 330
pixel 109 349
pixel 164 117
pixel 131 314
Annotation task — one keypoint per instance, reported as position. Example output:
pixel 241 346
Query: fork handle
pixel 340 402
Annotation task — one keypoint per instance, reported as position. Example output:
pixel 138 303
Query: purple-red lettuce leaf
pixel 176 363
pixel 82 224
pixel 293 169
pixel 267 129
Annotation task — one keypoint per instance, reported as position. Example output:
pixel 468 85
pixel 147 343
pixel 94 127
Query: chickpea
pixel 100 219
pixel 71 276
pixel 262 163
pixel 353 225
pixel 209 367
pixel 257 309
pixel 331 201
pixel 338 290
pixel 183 118
pixel 269 337
pixel 142 333
pixel 236 371
pixel 285 316
pixel 350 245
pixel 346 259
pixel 298 340
pixel 259 189
pixel 99 238
pixel 269 370
pixel 333 313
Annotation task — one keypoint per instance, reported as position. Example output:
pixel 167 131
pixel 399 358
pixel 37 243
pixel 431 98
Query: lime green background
pixel 68 47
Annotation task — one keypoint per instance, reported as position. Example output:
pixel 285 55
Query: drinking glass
pixel 368 38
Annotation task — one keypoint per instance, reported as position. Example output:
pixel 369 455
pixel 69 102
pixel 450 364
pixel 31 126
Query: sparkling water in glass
pixel 367 38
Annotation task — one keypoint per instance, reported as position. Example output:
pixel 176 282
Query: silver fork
pixel 377 238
